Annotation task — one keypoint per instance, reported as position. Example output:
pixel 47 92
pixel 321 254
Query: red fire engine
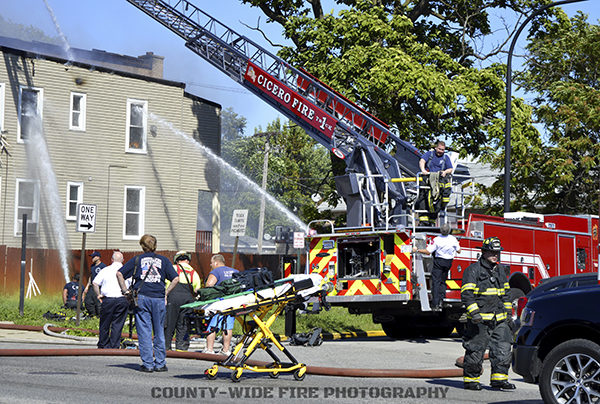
pixel 370 264
pixel 374 271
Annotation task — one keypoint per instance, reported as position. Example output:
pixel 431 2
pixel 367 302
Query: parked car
pixel 558 341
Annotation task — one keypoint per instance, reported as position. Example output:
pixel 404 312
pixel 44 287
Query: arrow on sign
pixel 88 225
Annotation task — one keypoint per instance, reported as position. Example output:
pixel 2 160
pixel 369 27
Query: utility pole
pixel 261 217
pixel 507 130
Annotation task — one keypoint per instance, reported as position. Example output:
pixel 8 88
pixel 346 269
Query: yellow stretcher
pixel 250 309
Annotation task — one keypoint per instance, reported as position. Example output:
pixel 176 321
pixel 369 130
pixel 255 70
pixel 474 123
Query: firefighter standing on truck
pixel 484 293
pixel 437 183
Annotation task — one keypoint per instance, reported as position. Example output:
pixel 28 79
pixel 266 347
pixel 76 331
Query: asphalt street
pixel 116 379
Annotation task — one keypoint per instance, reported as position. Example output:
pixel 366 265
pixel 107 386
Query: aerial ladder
pixel 377 161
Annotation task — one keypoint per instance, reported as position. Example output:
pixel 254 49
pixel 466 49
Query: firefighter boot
pixel 472 386
pixel 503 385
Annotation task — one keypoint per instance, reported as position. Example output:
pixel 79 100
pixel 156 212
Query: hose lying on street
pixel 63 334
pixel 315 370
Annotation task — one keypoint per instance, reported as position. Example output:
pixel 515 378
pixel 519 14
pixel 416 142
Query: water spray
pixel 210 154
pixel 66 45
pixel 40 167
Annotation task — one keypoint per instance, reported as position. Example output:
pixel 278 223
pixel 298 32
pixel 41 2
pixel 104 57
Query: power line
pixel 220 88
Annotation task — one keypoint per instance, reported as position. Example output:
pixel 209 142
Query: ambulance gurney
pixel 251 308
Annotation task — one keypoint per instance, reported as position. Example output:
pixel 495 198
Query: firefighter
pixel 484 293
pixel 184 292
pixel 438 182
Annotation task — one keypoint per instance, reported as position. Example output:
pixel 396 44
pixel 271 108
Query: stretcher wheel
pixel 300 373
pixel 236 375
pixel 211 373
pixel 275 373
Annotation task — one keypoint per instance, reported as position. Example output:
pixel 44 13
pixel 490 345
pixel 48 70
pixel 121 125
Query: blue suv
pixel 558 342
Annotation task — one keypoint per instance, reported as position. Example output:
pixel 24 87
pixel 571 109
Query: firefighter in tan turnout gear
pixel 485 294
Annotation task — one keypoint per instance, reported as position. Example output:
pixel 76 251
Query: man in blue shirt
pixel 438 169
pixel 149 271
pixel 219 273
pixel 70 293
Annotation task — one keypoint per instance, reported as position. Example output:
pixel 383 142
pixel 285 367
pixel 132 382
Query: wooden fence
pixel 45 266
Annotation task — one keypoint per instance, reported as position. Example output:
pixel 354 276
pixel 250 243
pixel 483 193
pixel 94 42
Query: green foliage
pixel 335 320
pixel 297 169
pixel 35 308
pixel 563 73
pixel 232 125
pixel 410 63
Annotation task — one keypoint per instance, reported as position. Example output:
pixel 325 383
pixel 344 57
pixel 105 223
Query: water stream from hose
pixel 232 172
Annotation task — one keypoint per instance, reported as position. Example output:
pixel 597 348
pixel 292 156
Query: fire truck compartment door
pixel 566 255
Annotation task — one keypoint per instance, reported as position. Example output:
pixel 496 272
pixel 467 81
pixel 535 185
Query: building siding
pixel 171 171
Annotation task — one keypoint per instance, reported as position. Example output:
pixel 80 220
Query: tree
pixel 299 174
pixel 232 125
pixel 563 74
pixel 414 64
pixel 411 63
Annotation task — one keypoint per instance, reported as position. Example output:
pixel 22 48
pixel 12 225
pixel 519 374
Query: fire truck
pixel 370 264
pixel 375 271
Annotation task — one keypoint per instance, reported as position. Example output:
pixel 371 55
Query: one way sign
pixel 86 218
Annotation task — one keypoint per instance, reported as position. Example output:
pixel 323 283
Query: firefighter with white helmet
pixel 485 295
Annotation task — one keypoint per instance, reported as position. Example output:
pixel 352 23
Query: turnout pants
pixel 177 318
pixel 431 205
pixel 92 304
pixel 477 338
pixel 439 274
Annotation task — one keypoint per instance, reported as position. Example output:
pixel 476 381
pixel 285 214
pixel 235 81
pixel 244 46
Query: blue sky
pixel 117 26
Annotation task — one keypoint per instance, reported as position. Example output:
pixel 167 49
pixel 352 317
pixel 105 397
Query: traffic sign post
pixel 298 244
pixel 238 228
pixel 298 239
pixel 86 218
pixel 86 223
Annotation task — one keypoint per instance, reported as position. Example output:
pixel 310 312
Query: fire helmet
pixel 491 244
pixel 182 255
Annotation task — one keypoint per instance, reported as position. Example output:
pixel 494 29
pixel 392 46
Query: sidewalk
pixel 38 337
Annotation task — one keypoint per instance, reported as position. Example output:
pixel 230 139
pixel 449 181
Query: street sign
pixel 298 239
pixel 238 222
pixel 86 218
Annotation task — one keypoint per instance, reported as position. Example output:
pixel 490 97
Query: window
pixel 27 201
pixel 2 91
pixel 30 111
pixel 77 117
pixel 137 120
pixel 133 217
pixel 74 196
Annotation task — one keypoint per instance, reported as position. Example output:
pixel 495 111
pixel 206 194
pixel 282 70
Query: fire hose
pixel 315 370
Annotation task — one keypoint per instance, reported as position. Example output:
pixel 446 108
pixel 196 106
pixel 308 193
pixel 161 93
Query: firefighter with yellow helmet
pixel 485 295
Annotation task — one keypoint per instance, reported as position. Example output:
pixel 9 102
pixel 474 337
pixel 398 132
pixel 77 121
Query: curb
pixel 333 336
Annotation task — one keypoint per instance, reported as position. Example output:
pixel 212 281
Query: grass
pixel 34 309
pixel 335 320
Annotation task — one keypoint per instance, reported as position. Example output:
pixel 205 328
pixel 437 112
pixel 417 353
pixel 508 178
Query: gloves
pixel 476 319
